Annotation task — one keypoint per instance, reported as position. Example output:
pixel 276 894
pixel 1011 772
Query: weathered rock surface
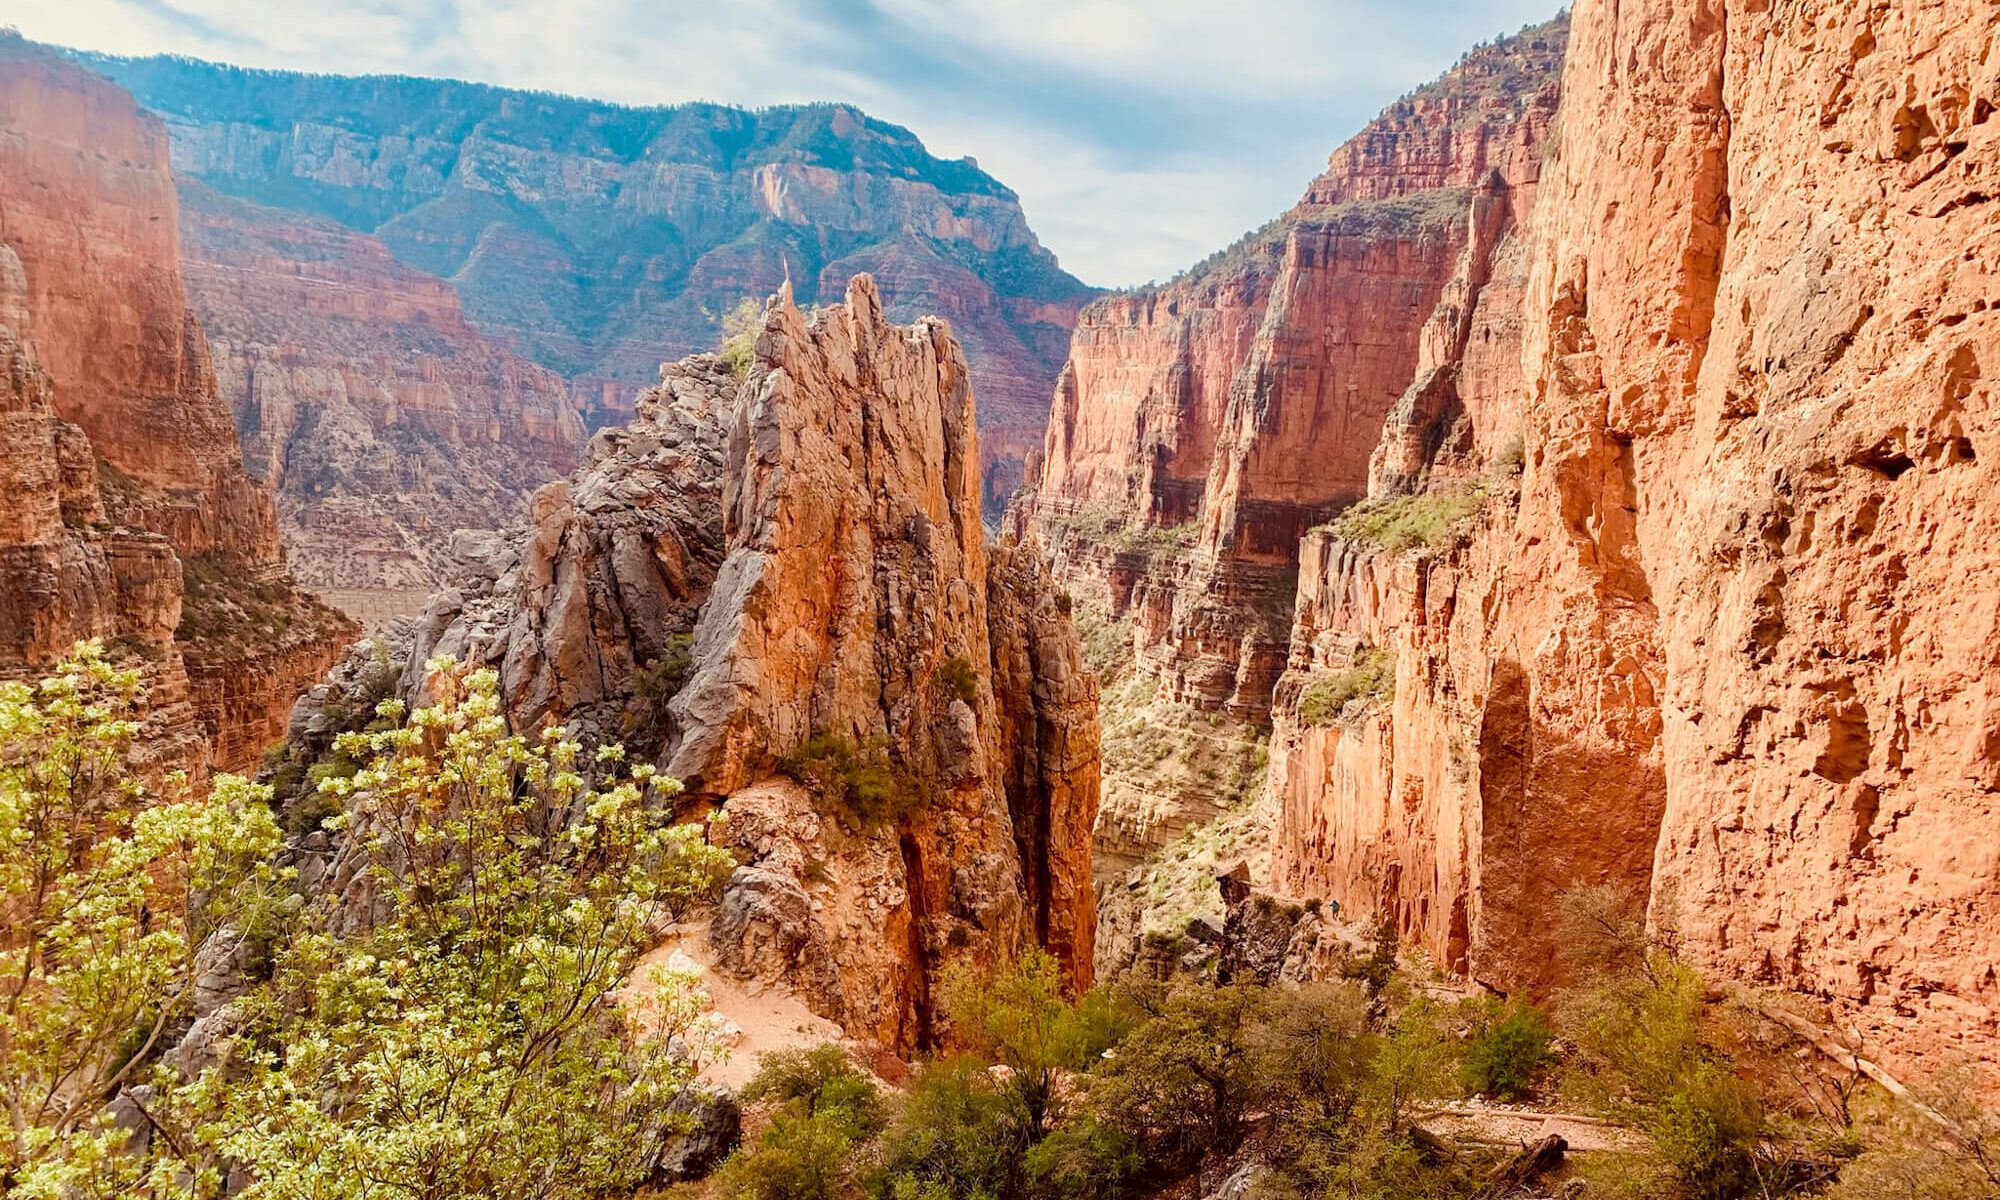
pixel 1200 429
pixel 1728 649
pixel 599 240
pixel 128 513
pixel 755 564
pixel 381 420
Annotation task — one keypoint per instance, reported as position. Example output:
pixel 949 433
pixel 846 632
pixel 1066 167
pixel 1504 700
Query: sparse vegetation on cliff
pixel 1371 679
pixel 862 779
pixel 1425 521
pixel 740 326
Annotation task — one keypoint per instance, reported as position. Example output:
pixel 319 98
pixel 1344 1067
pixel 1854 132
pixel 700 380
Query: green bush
pixel 860 777
pixel 957 1137
pixel 818 1081
pixel 1508 1050
pixel 740 327
pixel 959 679
pixel 1402 523
pixel 824 1110
pixel 1372 678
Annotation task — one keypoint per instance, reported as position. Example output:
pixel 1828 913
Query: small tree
pixel 107 892
pixel 740 326
pixel 447 1046
pixel 822 1109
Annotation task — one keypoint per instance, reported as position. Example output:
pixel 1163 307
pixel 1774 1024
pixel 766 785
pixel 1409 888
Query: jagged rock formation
pixel 382 421
pixel 599 240
pixel 129 514
pixel 1725 644
pixel 793 565
pixel 1200 429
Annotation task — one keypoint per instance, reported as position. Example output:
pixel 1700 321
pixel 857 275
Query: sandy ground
pixel 1500 1125
pixel 750 1020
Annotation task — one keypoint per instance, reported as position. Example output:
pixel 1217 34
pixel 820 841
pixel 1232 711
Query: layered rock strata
pixel 599 240
pixel 772 582
pixel 1724 645
pixel 381 419
pixel 130 516
pixel 1200 429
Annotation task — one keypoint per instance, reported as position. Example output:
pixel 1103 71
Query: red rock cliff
pixel 380 419
pixel 1201 428
pixel 135 519
pixel 796 560
pixel 1726 643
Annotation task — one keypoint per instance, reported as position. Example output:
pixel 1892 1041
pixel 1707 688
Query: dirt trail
pixel 751 1020
pixel 1500 1125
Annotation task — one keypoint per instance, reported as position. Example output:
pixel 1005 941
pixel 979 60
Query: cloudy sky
pixel 1141 134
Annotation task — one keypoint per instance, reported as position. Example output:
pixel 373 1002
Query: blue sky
pixel 1141 134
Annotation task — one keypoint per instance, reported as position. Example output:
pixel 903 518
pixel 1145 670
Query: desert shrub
pixel 862 778
pixel 1181 1084
pixel 822 1110
pixel 821 1079
pixel 108 890
pixel 958 1136
pixel 740 326
pixel 1507 1050
pixel 1375 969
pixel 1085 1159
pixel 1372 678
pixel 958 678
pixel 485 1005
pixel 1952 1155
pixel 1402 523
pixel 1022 1020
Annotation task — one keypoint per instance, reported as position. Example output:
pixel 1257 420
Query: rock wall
pixel 1724 645
pixel 599 240
pixel 124 474
pixel 1202 428
pixel 796 560
pixel 381 420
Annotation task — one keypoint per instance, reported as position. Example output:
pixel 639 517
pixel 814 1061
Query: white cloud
pixel 1140 134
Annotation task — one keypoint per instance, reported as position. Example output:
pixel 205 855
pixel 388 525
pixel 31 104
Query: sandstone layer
pixel 1726 645
pixel 380 418
pixel 129 514
pixel 599 240
pixel 760 578
pixel 1201 428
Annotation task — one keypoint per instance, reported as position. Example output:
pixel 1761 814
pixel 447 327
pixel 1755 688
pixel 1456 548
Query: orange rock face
pixel 129 514
pixel 1725 645
pixel 380 419
pixel 1245 400
pixel 1200 429
pixel 797 558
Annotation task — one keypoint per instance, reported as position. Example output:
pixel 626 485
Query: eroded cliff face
pixel 1200 429
pixel 599 240
pixel 764 574
pixel 1725 645
pixel 130 516
pixel 381 419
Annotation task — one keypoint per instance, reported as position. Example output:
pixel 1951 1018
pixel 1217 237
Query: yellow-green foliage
pixel 446 1048
pixel 1372 678
pixel 1424 521
pixel 740 326
pixel 106 889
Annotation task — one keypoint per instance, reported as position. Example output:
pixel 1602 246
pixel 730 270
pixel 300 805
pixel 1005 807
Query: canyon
pixel 425 293
pixel 1632 547
pixel 780 590
pixel 1580 498
pixel 128 515
pixel 1201 428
